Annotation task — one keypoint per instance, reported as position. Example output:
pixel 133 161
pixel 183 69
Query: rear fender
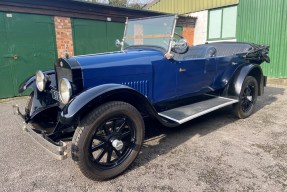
pixel 88 100
pixel 234 86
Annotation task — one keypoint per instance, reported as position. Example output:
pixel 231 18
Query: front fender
pixel 40 101
pixel 94 97
pixel 233 88
pixel 31 81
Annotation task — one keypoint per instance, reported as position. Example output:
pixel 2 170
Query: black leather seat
pixel 230 48
pixel 199 52
pixel 221 49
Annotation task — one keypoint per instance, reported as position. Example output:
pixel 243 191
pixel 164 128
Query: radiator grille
pixel 63 73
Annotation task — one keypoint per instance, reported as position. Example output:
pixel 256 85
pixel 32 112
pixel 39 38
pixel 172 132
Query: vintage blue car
pixel 100 100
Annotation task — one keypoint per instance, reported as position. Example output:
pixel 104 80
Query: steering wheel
pixel 179 35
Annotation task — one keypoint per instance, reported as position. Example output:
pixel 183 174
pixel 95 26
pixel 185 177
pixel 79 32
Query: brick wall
pixel 188 34
pixel 64 37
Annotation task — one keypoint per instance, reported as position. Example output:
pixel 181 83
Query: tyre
pixel 108 140
pixel 247 98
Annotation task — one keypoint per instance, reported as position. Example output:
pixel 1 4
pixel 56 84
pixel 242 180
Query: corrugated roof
pixel 187 6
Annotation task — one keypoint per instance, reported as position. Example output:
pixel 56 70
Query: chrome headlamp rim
pixel 68 89
pixel 41 81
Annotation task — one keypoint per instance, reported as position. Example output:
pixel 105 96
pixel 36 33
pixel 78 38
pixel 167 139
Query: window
pixel 222 23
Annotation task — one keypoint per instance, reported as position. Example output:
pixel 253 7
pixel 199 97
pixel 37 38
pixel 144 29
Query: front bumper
pixel 56 149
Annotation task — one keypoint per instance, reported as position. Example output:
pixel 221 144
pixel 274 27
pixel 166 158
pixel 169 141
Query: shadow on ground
pixel 170 138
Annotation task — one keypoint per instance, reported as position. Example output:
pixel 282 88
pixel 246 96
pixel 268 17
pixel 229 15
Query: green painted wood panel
pixel 114 31
pixel 91 36
pixel 31 39
pixel 188 6
pixel 6 79
pixel 264 22
pixel 179 31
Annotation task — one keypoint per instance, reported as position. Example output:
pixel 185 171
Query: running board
pixel 186 113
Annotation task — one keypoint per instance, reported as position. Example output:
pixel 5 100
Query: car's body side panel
pixel 226 68
pixel 164 81
pixel 196 75
pixel 133 68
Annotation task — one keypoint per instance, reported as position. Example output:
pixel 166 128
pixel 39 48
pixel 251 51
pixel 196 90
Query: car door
pixel 164 80
pixel 195 75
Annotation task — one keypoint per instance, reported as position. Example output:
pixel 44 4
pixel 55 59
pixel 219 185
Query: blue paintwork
pixel 146 70
pixel 94 96
pixel 199 75
pixel 153 79
pixel 134 68
pixel 226 67
pixel 150 73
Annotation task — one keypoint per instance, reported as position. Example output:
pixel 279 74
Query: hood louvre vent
pixel 140 86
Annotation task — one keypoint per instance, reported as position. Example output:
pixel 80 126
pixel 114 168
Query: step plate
pixel 192 111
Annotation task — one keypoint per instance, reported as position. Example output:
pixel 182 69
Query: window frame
pixel 221 28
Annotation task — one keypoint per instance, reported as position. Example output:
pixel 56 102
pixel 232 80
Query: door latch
pixel 15 57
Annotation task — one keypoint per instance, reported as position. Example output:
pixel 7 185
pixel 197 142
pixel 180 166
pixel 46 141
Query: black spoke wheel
pixel 247 98
pixel 113 142
pixel 108 140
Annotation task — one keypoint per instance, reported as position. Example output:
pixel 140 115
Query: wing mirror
pixel 179 46
pixel 119 43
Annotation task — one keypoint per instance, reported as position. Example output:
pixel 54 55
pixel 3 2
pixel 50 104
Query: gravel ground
pixel 216 152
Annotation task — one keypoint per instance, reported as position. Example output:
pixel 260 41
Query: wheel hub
pixel 249 98
pixel 117 144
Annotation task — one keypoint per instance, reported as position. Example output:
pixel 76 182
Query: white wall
pixel 200 31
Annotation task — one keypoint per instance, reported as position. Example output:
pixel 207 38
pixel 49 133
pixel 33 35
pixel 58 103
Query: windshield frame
pixel 168 49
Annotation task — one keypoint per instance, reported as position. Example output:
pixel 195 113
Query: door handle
pixel 182 70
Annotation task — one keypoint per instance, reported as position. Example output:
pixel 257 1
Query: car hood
pixel 122 67
pixel 118 63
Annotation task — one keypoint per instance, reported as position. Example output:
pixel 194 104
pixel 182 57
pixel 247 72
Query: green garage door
pixel 27 44
pixel 92 36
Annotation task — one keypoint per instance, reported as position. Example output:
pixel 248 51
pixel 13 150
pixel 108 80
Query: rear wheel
pixel 247 98
pixel 108 140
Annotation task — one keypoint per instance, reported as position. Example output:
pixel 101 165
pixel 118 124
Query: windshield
pixel 154 31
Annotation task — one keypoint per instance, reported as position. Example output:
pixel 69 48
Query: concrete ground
pixel 216 152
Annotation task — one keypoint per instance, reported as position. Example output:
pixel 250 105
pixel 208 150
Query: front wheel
pixel 247 98
pixel 108 140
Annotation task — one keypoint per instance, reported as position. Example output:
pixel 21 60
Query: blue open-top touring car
pixel 100 100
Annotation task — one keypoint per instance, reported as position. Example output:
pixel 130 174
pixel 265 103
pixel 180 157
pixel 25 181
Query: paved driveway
pixel 215 152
